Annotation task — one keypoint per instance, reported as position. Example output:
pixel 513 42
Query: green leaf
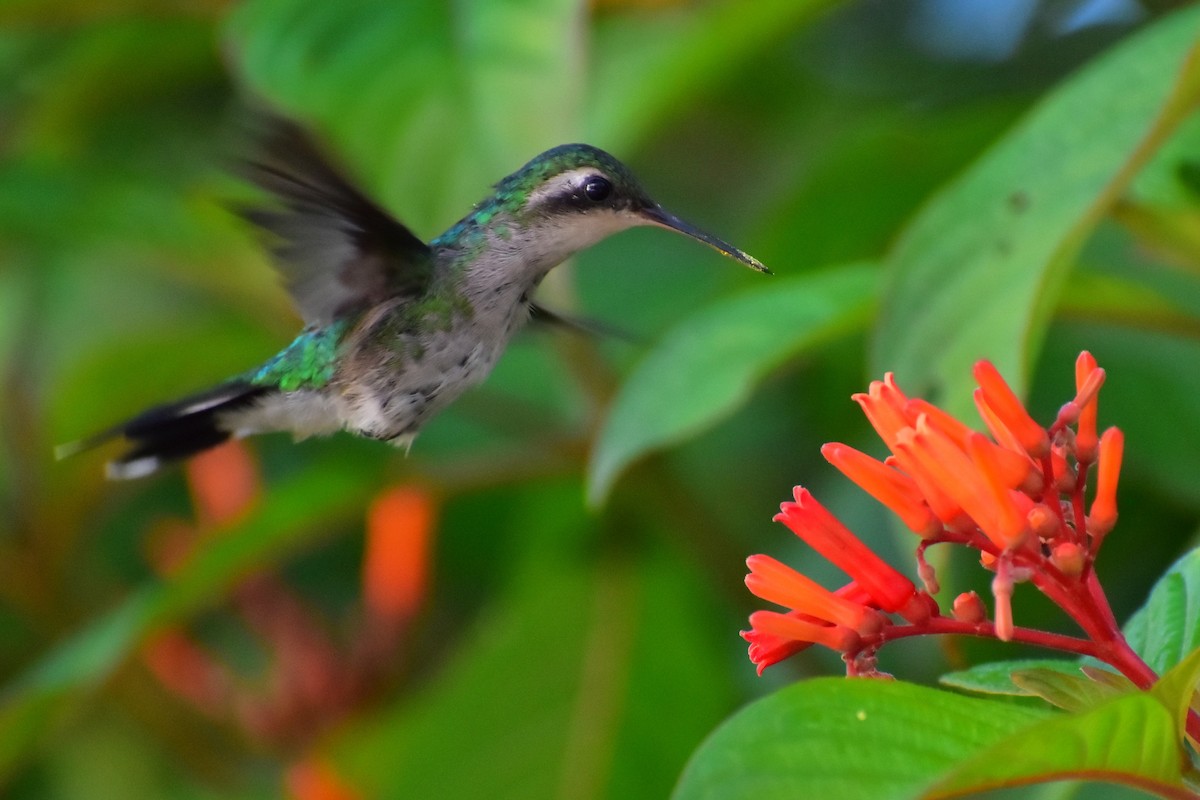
pixel 1164 183
pixel 1069 692
pixel 1135 739
pixel 977 271
pixel 1167 627
pixel 995 677
pixel 1120 299
pixel 293 512
pixel 1132 739
pixel 847 739
pixel 524 66
pixel 706 367
pixel 1054 680
pixel 1177 687
pixel 686 54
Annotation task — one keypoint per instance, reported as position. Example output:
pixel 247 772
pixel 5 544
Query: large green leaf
pixel 995 677
pixel 1070 692
pixel 1167 627
pixel 1134 739
pixel 977 271
pixel 706 367
pixel 847 739
pixel 685 54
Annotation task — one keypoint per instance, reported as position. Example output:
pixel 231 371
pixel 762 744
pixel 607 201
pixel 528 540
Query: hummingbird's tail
pixel 173 431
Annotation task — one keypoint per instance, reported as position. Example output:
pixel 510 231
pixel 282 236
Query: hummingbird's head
pixel 578 194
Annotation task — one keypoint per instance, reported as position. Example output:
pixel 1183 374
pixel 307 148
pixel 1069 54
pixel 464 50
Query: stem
pixel 1075 599
pixel 1115 652
pixel 946 625
pixel 1119 654
pixel 1087 604
pixel 1100 600
pixel 1049 494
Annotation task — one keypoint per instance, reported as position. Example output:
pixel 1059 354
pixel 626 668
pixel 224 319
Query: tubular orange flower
pixel 1011 524
pixel 789 627
pixel 942 505
pixel 942 420
pixel 224 483
pixel 1086 441
pixel 1004 403
pixel 954 472
pixel 1018 500
pixel 809 520
pixel 766 649
pixel 994 425
pixel 1014 470
pixel 1104 507
pixel 780 584
pixel 884 405
pixel 396 568
pixel 316 779
pixel 889 486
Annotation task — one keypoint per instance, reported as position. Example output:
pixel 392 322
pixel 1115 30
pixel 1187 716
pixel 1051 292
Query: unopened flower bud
pixel 1068 557
pixel 1103 514
pixel 872 623
pixel 919 608
pixel 969 608
pixel 1043 521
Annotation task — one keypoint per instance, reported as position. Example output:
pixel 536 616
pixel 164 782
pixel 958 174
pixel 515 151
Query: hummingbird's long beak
pixel 655 215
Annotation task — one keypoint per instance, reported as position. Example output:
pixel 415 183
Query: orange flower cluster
pixel 312 680
pixel 1016 496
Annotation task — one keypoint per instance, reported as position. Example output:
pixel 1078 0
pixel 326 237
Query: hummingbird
pixel 394 328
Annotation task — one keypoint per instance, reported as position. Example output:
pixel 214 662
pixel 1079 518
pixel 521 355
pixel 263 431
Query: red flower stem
pixel 1087 604
pixel 1100 600
pixel 1048 480
pixel 1074 598
pixel 1080 516
pixel 948 626
pixel 1116 653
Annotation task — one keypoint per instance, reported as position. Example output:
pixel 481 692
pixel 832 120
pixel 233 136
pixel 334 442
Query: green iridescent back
pixel 307 363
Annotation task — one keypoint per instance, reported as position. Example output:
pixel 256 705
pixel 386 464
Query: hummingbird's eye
pixel 597 188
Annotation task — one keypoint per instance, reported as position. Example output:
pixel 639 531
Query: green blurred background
pixel 932 182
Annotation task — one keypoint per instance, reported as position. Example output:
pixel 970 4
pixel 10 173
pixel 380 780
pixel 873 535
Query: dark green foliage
pixel 918 213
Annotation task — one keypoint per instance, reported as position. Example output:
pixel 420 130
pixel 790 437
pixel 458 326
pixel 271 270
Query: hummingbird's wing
pixel 336 249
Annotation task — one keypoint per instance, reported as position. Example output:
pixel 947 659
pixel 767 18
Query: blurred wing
pixel 586 326
pixel 335 248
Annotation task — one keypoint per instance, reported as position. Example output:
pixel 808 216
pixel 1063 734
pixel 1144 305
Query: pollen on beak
pixel 656 215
